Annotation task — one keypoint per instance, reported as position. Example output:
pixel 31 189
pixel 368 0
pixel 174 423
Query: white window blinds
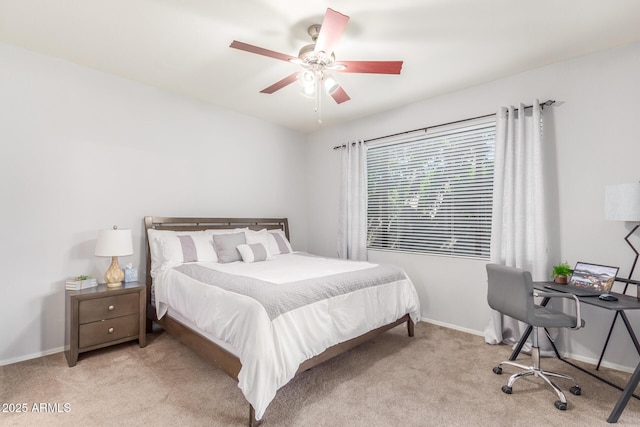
pixel 433 193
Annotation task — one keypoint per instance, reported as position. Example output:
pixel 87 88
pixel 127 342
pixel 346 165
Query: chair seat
pixel 544 317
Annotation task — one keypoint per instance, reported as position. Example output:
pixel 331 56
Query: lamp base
pixel 635 261
pixel 114 285
pixel 114 274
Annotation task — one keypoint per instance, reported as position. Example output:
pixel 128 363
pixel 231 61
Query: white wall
pixel 593 137
pixel 82 150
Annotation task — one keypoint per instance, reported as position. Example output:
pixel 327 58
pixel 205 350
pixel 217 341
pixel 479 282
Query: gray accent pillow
pixel 253 252
pixel 226 246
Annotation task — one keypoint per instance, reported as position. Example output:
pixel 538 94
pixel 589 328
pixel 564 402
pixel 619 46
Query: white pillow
pixel 212 231
pixel 182 248
pixel 274 240
pixel 262 237
pixel 155 247
pixel 174 250
pixel 284 247
pixel 253 252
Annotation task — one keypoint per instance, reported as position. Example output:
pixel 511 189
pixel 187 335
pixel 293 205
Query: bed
pixel 234 291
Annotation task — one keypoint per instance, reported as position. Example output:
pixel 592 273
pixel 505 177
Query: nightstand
pixel 99 317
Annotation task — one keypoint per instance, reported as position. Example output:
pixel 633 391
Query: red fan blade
pixel 375 67
pixel 261 51
pixel 331 29
pixel 282 83
pixel 340 96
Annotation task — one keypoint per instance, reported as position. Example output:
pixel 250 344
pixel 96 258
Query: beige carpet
pixel 440 377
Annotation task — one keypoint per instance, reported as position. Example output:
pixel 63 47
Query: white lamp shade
pixel 114 243
pixel 330 84
pixel 622 202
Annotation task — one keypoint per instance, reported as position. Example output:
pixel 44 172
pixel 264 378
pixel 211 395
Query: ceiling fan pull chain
pixel 319 96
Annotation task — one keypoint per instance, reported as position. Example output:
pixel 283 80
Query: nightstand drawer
pixel 108 330
pixel 92 310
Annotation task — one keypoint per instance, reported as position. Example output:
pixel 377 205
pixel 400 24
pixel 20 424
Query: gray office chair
pixel 511 292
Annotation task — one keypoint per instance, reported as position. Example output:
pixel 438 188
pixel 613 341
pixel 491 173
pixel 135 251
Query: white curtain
pixel 352 228
pixel 519 230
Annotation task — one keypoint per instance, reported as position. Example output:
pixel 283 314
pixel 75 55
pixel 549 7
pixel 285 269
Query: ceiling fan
pixel 318 61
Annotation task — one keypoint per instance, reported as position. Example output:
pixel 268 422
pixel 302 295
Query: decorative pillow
pixel 284 247
pixel 274 240
pixel 154 249
pixel 253 252
pixel 155 246
pixel 263 237
pixel 182 248
pixel 212 231
pixel 226 246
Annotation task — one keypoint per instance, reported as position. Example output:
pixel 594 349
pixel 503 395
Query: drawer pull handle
pixel 110 330
pixel 111 308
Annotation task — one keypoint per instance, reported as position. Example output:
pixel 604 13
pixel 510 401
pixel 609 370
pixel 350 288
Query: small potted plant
pixel 561 273
pixel 81 282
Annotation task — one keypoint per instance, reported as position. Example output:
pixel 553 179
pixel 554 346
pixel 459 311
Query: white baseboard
pixel 31 356
pixel 450 326
pixel 579 358
pixel 422 319
pixel 594 362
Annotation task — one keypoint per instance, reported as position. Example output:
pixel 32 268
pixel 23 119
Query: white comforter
pixel 272 350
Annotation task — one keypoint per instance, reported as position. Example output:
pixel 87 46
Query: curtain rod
pixel 546 103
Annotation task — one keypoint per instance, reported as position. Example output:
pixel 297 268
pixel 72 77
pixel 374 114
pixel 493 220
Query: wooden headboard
pixel 193 224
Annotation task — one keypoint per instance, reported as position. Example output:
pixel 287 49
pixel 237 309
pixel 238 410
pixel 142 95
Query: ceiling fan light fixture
pixel 308 91
pixel 330 84
pixel 307 78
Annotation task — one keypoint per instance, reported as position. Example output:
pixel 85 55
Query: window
pixel 432 193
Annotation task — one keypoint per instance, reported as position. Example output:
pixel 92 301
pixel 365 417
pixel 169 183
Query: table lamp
pixel 114 243
pixel 622 203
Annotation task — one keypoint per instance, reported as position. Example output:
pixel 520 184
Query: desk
pixel 624 303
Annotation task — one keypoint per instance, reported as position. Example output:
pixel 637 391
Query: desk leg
pixel 632 334
pixel 606 342
pixel 633 381
pixel 625 396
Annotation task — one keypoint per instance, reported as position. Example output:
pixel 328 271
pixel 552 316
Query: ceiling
pixel 446 45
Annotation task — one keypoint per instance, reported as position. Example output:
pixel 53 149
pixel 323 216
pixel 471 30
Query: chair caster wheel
pixel 506 389
pixel 560 405
pixel 497 370
pixel 576 390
